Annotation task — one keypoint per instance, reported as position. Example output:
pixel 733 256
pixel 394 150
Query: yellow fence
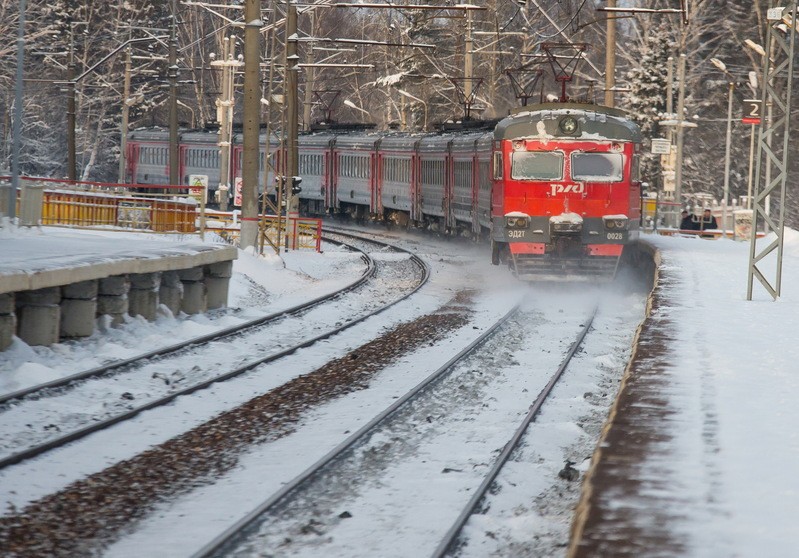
pixel 91 210
pixel 300 234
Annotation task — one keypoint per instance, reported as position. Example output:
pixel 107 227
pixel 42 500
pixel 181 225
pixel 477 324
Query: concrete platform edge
pixel 32 281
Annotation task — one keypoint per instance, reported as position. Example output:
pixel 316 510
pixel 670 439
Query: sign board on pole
pixel 198 187
pixel 775 14
pixel 742 219
pixel 237 191
pixel 661 146
pixel 752 111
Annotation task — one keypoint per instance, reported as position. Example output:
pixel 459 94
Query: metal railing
pixel 305 233
pixel 47 201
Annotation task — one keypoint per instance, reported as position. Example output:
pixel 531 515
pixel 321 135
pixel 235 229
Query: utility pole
pixel 680 129
pixel 468 59
pixel 71 109
pixel 123 143
pixel 224 115
pixel 610 57
pixel 292 163
pixel 174 153
pixel 16 132
pixel 309 82
pixel 252 120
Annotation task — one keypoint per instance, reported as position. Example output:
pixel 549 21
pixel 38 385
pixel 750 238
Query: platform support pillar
pixel 195 299
pixel 171 291
pixel 39 316
pixel 217 283
pixel 78 309
pixel 8 320
pixel 143 295
pixel 112 298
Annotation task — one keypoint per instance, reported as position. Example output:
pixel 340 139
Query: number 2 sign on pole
pixel 752 110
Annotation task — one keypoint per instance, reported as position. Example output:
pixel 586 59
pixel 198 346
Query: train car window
pixel 597 167
pixel 536 165
pixel 635 171
pixel 485 184
pixel 497 165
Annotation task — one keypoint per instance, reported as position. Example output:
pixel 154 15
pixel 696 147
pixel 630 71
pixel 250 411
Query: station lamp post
pixel 723 67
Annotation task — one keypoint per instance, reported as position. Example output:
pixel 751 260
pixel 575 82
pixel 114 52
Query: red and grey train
pixel 554 186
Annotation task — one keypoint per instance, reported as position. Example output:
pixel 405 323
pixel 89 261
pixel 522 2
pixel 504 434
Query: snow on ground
pixel 734 382
pixel 735 368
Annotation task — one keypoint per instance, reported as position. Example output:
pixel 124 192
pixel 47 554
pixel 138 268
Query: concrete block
pixel 115 306
pixel 217 291
pixel 194 299
pixel 84 290
pixel 220 269
pixel 143 302
pixel 7 303
pixel 8 327
pixel 170 297
pixel 170 279
pixel 144 281
pixel 39 325
pixel 114 286
pixel 40 297
pixel 192 274
pixel 77 317
pixel 171 291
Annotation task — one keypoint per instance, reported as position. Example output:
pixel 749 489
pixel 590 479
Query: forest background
pixel 404 85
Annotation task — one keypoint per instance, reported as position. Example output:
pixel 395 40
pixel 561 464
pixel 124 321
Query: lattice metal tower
pixel 773 143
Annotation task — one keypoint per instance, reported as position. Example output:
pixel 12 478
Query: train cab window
pixel 536 165
pixel 497 165
pixel 597 167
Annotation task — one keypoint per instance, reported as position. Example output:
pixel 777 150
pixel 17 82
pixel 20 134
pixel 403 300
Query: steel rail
pixel 241 529
pixel 55 443
pixel 453 533
pixel 231 331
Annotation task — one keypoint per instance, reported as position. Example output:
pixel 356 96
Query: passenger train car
pixel 555 186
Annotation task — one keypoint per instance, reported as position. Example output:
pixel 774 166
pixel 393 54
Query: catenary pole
pixel 252 121
pixel 17 128
pixel 71 107
pixel 292 163
pixel 123 142
pixel 680 129
pixel 610 58
pixel 172 72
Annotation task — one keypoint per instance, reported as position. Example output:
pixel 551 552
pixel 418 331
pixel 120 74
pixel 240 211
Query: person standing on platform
pixel 708 221
pixel 687 223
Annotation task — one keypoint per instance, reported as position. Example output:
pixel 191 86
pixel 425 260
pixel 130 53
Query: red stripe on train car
pixel 605 249
pixel 527 247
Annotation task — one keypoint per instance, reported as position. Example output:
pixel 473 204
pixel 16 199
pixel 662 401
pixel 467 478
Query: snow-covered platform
pixel 55 282
pixel 697 456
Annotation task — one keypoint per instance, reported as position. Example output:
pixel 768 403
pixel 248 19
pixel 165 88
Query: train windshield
pixel 536 165
pixel 597 167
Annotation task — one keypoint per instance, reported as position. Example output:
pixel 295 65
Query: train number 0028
pixel 615 236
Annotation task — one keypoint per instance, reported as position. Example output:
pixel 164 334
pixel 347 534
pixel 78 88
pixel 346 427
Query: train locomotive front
pixel 566 192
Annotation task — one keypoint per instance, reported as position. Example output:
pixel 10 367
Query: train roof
pixel 595 122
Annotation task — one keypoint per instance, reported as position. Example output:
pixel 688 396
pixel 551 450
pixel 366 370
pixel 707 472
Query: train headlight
pixel 568 125
pixel 517 222
pixel 616 222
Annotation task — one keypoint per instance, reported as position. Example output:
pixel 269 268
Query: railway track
pixel 158 377
pixel 245 537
